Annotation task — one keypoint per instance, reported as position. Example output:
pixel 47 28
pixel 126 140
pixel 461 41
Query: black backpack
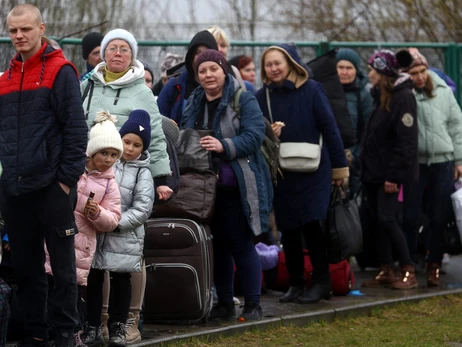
pixel 171 137
pixel 324 70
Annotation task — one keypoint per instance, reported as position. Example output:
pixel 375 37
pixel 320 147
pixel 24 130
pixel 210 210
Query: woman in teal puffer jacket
pixel 440 159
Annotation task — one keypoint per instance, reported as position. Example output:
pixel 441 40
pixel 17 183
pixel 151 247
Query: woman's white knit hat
pixel 119 34
pixel 104 134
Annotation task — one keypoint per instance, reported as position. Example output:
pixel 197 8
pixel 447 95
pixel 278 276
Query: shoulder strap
pixel 137 174
pixel 107 189
pixel 268 102
pixel 88 88
pixel 236 102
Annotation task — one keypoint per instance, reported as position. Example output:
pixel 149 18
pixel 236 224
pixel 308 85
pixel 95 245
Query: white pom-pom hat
pixel 104 134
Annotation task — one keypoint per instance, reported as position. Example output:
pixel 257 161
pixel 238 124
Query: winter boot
pixel 385 278
pixel 117 336
pixel 223 310
pixel 292 294
pixel 433 275
pixel 407 278
pixel 315 293
pixel 91 336
pixel 104 328
pixel 132 333
pixel 251 312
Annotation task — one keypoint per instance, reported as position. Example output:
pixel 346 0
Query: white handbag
pixel 297 156
pixel 300 156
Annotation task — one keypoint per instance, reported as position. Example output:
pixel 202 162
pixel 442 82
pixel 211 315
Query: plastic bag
pixel 456 199
pixel 343 227
pixel 268 255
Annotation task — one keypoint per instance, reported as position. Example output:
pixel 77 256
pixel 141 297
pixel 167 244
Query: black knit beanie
pixel 90 42
pixel 138 123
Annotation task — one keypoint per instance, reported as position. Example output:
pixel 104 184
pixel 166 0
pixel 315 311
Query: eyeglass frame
pixel 122 50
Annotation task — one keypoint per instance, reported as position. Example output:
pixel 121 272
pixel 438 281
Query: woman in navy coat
pixel 301 200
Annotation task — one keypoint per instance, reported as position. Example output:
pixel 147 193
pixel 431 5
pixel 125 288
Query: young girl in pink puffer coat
pixel 103 213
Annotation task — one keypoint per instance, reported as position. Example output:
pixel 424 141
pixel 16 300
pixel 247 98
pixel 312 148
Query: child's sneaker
pixel 78 341
pixel 91 336
pixel 131 328
pixel 251 312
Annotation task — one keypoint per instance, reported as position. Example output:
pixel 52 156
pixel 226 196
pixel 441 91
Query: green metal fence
pixel 446 56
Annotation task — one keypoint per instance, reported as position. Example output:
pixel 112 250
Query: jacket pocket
pixel 65 232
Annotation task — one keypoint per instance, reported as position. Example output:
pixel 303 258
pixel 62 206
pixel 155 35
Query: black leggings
pixel 293 241
pixel 119 302
pixel 390 236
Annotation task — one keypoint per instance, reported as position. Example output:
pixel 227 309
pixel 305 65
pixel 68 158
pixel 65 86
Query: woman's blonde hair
pixel 218 33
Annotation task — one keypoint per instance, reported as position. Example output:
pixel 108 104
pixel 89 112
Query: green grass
pixel 430 323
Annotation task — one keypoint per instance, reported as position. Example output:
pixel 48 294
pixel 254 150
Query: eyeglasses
pixel 114 49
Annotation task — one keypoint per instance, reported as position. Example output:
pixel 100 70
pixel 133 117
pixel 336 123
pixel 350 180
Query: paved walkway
pixel 276 314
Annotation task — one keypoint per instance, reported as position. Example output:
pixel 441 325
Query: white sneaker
pixel 236 301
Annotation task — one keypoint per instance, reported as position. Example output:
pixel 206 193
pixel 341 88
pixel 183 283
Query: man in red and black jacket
pixel 43 137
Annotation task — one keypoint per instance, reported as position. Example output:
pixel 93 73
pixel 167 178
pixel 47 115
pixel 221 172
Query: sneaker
pixel 78 341
pixel 236 301
pixel 117 336
pixel 63 339
pixel 251 312
pixel 132 333
pixel 223 310
pixel 91 336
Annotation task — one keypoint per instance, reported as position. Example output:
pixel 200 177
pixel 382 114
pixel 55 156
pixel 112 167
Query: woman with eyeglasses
pixel 117 86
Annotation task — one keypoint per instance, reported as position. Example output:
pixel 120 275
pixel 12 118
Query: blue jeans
pixel 439 180
pixel 233 244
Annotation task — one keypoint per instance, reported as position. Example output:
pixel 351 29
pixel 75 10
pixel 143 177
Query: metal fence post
pixel 452 66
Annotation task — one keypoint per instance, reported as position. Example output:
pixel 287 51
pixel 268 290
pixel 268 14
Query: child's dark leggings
pixel 119 302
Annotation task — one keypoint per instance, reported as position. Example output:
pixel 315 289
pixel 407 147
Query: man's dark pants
pixel 33 218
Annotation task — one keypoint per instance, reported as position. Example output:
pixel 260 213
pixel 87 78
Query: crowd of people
pixel 84 159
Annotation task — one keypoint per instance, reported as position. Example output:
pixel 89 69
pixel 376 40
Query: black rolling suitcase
pixel 178 256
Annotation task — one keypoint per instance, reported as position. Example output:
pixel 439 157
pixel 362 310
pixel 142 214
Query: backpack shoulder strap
pixel 88 89
pixel 107 189
pixel 236 102
pixel 137 175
